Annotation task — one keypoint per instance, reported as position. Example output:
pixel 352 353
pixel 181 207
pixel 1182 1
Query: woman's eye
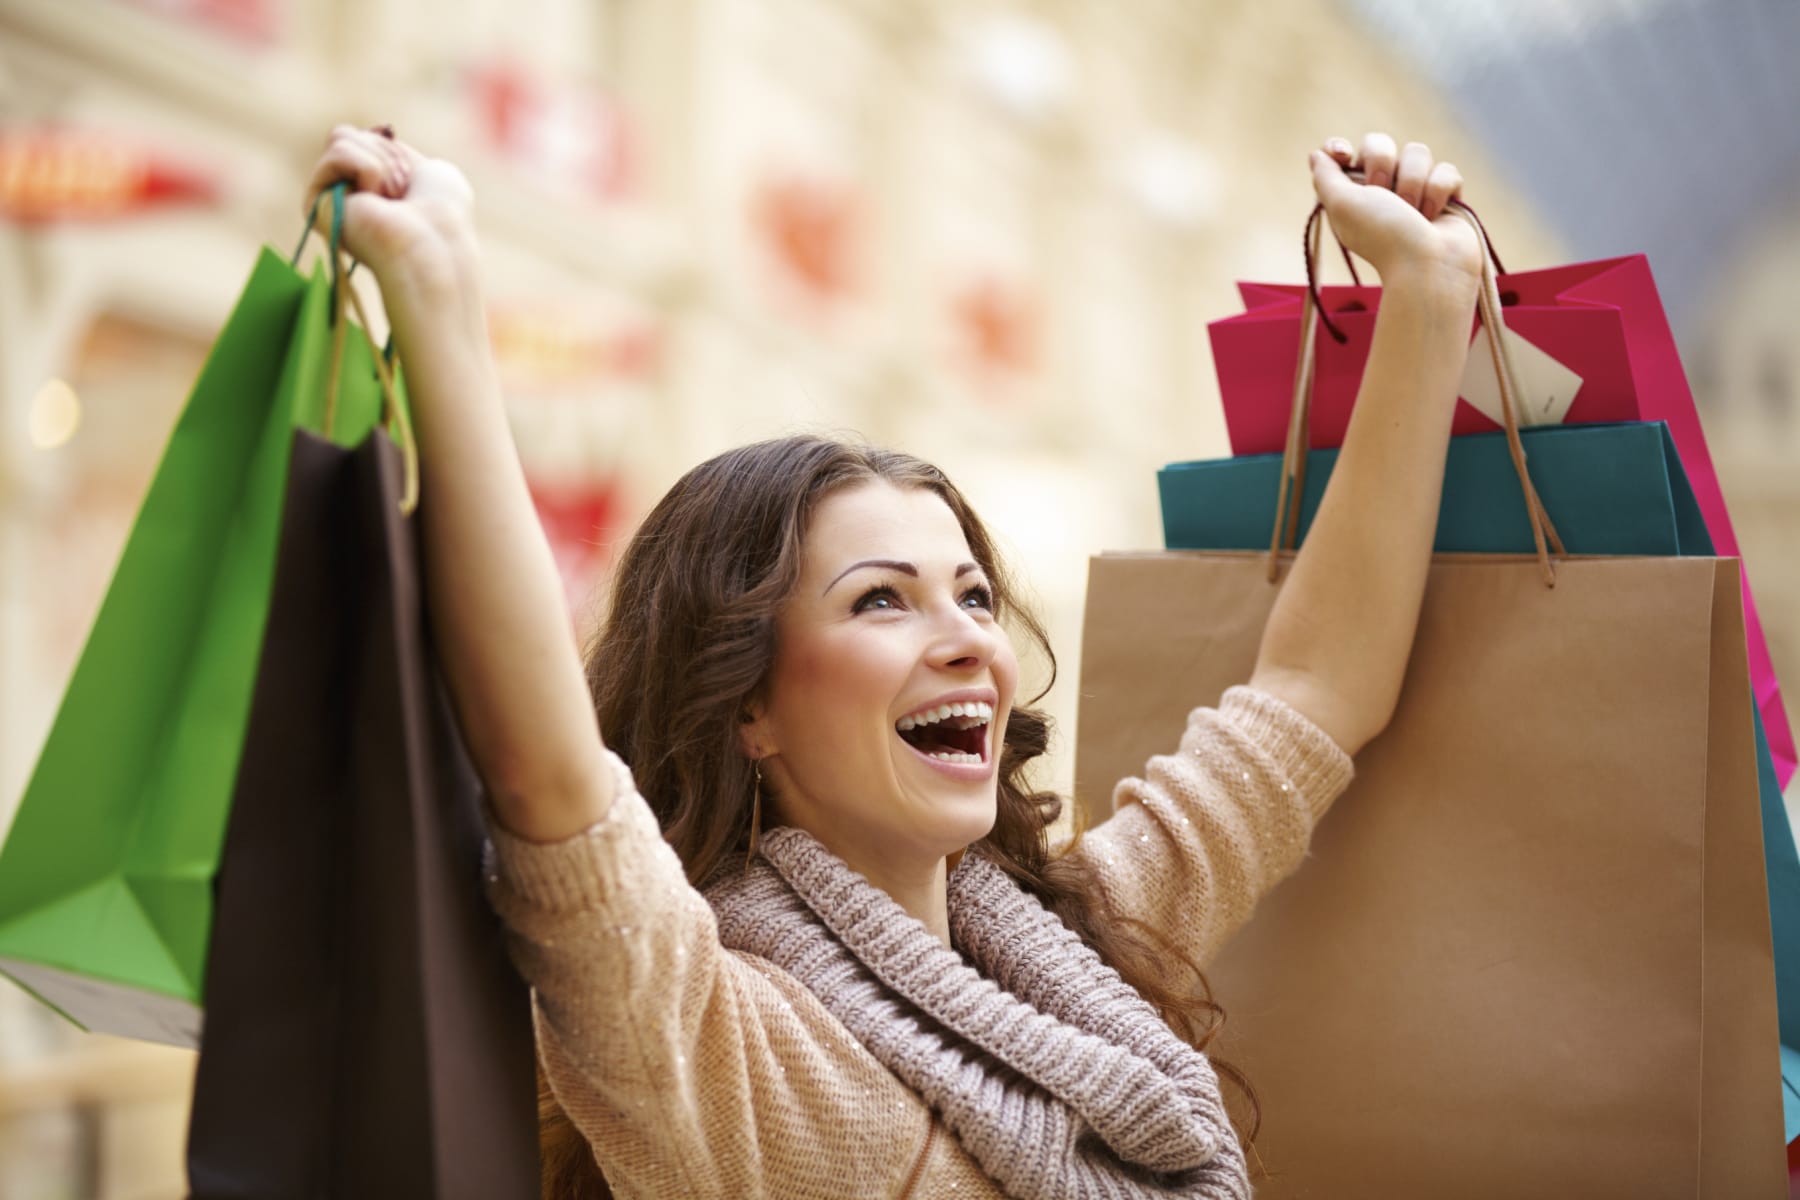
pixel 880 599
pixel 978 597
pixel 886 599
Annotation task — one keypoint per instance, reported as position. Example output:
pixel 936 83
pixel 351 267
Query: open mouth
pixel 951 732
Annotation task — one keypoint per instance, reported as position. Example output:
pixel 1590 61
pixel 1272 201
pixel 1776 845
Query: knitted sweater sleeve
pixel 1195 843
pixel 692 1070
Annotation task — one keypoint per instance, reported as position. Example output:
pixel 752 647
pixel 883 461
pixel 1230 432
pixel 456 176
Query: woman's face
pixel 892 681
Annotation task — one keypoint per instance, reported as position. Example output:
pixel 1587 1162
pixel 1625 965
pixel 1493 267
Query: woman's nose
pixel 964 641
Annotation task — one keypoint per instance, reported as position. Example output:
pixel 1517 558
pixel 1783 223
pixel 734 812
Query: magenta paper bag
pixel 1602 321
pixel 1254 354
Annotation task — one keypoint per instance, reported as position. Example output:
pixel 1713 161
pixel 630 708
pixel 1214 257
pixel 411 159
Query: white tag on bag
pixel 1547 387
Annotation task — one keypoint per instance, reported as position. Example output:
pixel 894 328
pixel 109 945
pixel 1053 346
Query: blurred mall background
pixel 988 231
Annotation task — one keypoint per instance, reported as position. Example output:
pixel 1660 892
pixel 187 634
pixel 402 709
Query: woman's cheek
pixel 843 669
pixel 1006 672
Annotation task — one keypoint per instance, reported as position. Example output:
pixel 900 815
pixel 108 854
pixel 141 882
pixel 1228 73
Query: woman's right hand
pixel 1396 219
pixel 498 617
pixel 410 218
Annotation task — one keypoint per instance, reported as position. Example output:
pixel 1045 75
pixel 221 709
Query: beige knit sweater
pixel 699 1072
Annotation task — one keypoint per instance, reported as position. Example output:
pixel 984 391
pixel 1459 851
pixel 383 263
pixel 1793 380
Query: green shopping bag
pixel 106 875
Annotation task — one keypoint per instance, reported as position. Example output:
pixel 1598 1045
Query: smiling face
pixel 879 730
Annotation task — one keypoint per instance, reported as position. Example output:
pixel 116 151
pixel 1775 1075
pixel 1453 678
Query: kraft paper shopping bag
pixel 1615 489
pixel 1528 953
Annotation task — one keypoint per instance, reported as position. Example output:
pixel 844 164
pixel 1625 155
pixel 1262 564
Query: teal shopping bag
pixel 1615 489
pixel 106 875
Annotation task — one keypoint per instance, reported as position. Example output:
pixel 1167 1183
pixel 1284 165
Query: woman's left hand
pixel 1396 218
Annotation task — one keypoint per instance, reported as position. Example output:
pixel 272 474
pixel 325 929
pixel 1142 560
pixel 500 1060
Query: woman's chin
pixel 961 822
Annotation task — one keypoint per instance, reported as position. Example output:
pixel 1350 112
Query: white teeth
pixel 952 756
pixel 975 712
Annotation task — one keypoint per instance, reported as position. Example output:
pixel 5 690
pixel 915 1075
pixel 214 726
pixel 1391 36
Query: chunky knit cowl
pixel 1049 1069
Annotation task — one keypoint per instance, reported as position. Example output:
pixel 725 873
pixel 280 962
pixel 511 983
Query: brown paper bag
pixel 365 1032
pixel 1529 953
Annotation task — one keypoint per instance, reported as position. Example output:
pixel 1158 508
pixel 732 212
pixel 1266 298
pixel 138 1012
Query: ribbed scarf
pixel 1049 1069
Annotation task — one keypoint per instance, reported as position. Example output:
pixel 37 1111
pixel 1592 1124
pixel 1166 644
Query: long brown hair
pixel 688 642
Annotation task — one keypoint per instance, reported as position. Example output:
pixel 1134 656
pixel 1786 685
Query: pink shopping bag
pixel 1602 320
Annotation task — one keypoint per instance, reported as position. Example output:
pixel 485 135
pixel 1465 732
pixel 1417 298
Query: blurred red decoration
pixel 580 522
pixel 52 174
pixel 253 21
pixel 810 225
pixel 567 132
pixel 999 321
pixel 537 349
pixel 635 352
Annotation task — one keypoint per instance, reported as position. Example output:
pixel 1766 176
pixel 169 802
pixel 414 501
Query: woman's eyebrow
pixel 905 568
pixel 892 564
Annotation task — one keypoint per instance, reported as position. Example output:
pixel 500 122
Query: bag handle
pixel 394 413
pixel 1309 247
pixel 1293 456
pixel 1493 323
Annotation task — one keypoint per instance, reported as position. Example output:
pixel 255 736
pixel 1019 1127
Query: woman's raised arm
pixel 497 612
pixel 1337 642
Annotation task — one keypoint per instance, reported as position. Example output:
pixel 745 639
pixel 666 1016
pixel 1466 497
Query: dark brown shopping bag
pixel 365 1033
pixel 1529 954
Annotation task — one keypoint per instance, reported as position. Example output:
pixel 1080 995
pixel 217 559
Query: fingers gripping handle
pixel 1309 245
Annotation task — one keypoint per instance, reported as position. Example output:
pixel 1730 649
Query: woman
pixel 807 676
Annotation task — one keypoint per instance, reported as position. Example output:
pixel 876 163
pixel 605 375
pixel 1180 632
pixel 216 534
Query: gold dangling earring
pixel 755 813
